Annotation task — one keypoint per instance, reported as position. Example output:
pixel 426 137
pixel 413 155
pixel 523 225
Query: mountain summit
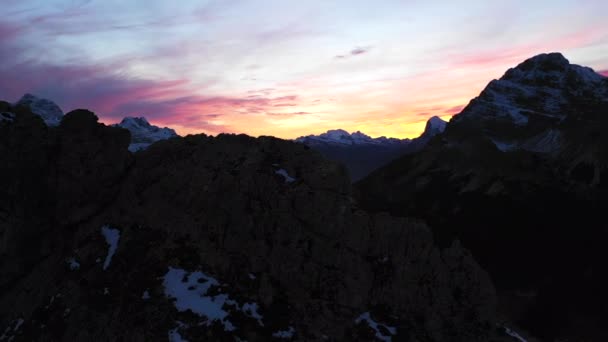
pixel 526 108
pixel 341 137
pixel 143 134
pixel 48 110
pixel 517 177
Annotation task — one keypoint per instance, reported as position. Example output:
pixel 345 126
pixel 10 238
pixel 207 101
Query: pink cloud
pixel 454 110
pixel 603 73
pixel 509 55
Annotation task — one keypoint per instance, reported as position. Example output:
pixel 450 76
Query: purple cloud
pixel 360 50
pixel 354 52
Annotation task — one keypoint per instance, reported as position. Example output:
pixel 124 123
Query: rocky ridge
pixel 212 238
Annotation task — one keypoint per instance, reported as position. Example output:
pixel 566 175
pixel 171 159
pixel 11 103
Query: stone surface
pixel 301 251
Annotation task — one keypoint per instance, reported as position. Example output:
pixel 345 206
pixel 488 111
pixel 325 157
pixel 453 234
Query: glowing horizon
pixel 283 69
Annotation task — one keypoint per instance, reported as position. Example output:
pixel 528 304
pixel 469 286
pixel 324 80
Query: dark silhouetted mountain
pixel 143 134
pixel 517 177
pixel 212 238
pixel 362 154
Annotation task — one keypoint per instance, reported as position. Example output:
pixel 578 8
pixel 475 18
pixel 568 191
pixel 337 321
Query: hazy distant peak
pixel 48 110
pixel 342 137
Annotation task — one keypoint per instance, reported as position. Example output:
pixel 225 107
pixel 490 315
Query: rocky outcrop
pixel 516 176
pixel 212 238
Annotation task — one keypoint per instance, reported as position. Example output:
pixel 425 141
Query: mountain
pixel 212 238
pixel 517 178
pixel 46 109
pixel 362 154
pixel 143 134
pixel 339 137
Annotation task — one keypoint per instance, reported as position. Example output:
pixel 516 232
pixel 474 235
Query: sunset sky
pixel 283 68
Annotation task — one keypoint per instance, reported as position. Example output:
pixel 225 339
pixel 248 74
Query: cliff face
pixel 517 177
pixel 211 238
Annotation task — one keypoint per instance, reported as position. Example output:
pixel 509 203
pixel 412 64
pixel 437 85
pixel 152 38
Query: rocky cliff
pixel 517 176
pixel 212 238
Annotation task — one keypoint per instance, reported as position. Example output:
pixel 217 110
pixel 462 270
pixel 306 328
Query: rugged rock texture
pixel 517 176
pixel 93 236
pixel 362 154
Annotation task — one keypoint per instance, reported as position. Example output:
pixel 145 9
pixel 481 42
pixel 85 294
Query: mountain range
pixel 489 228
pixel 361 154
pixel 143 134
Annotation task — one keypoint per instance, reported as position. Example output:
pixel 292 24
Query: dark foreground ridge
pixel 519 176
pixel 206 238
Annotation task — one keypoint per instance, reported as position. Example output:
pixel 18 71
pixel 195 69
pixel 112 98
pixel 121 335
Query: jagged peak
pixel 132 120
pixel 435 125
pixel 342 137
pixel 48 110
pixel 143 133
pixel 549 67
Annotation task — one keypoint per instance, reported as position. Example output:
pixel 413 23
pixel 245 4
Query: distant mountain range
pixel 362 154
pixel 519 176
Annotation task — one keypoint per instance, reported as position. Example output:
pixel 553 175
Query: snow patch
pixel 545 142
pixel 174 335
pixel 7 116
pixel 251 310
pixel 191 292
pixel 514 334
pixel 145 295
pixel 73 264
pixel 377 327
pixel 286 334
pixel 9 334
pixel 112 236
pixel 251 276
pixel 288 178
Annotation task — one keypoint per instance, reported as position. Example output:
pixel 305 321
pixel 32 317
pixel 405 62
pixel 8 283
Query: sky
pixel 283 68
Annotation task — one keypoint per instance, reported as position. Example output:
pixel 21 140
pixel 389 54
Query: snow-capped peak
pixel 135 122
pixel 342 137
pixel 46 109
pixel 435 125
pixel 143 134
pixel 552 69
